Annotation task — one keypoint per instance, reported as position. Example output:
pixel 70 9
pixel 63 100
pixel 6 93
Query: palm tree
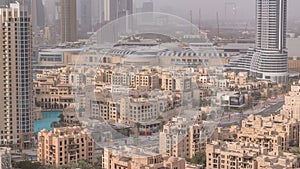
pixel 54 124
pixel 61 118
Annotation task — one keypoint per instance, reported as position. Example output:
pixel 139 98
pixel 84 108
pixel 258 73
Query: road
pixel 272 107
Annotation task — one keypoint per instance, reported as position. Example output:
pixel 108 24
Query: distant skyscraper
pixel 269 59
pixel 97 13
pixel 114 9
pixel 147 7
pixel 16 122
pixel 85 19
pixel 68 21
pixel 50 10
pixel 37 15
pixel 4 3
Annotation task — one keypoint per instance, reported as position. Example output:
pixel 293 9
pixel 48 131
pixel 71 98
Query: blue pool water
pixel 45 123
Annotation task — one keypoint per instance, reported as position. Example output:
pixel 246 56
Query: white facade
pixel 269 60
pixel 271 18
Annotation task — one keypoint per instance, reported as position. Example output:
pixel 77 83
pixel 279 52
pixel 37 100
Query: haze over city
pixel 129 84
pixel 245 9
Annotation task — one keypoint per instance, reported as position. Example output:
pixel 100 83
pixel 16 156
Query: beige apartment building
pixel 71 116
pixel 137 106
pixel 238 78
pixel 247 155
pixel 181 138
pixel 260 142
pixel 291 108
pixel 65 145
pixel 50 94
pixel 135 158
pixel 171 81
pixel 139 109
pixel 270 131
pixel 103 107
pixel 16 120
pixel 145 109
pixel 146 79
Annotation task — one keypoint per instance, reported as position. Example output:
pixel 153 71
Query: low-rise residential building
pixel 139 109
pixel 143 109
pixel 181 138
pixel 70 116
pixel 49 93
pixel 135 158
pixel 65 145
pixel 291 108
pixel 171 81
pixel 224 134
pixel 247 155
pixel 270 131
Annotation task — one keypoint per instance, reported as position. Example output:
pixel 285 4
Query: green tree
pixel 98 163
pixel 61 118
pixel 160 118
pixel 296 152
pixel 199 158
pixel 24 156
pixel 54 124
pixel 80 164
pixel 28 165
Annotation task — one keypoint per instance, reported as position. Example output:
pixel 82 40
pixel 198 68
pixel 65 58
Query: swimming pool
pixel 45 123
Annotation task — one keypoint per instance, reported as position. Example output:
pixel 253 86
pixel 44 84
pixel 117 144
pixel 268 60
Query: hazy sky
pixel 245 9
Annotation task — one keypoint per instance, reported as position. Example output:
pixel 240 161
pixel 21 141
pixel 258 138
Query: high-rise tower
pixel 37 15
pixel 269 60
pixel 16 122
pixel 85 18
pixel 114 9
pixel 68 21
pixel 4 3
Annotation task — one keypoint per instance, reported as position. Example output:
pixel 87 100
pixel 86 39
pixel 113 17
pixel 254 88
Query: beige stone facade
pixel 134 158
pixel 246 155
pixel 270 131
pixel 16 120
pixel 51 94
pixel 291 108
pixel 65 145
pixel 181 138
pixel 70 116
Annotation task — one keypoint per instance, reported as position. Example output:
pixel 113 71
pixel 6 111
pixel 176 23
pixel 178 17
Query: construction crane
pixel 191 20
pixel 199 21
pixel 218 26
